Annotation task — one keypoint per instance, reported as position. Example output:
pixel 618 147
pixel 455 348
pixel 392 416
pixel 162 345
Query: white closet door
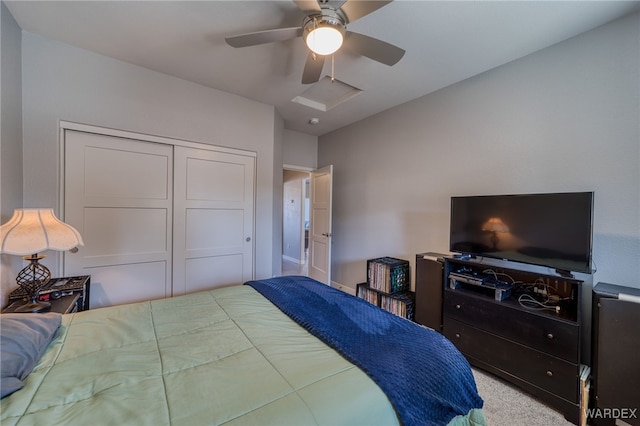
pixel 213 214
pixel 118 194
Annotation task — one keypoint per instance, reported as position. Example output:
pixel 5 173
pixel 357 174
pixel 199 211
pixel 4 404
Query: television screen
pixel 552 230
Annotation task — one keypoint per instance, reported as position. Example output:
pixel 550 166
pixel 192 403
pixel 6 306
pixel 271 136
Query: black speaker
pixel 429 286
pixel 615 369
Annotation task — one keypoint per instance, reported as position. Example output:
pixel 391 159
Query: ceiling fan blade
pixel 262 37
pixel 373 48
pixel 355 9
pixel 312 68
pixel 308 6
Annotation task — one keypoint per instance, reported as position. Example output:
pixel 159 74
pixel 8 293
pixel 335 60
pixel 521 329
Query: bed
pixel 278 351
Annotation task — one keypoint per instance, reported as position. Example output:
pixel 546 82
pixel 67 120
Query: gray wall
pixel 563 119
pixel 10 137
pixel 61 82
pixel 300 150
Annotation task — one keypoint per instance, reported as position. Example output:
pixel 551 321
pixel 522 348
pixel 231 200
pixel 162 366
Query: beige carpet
pixel 504 404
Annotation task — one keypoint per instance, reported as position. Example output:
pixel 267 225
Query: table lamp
pixel 28 232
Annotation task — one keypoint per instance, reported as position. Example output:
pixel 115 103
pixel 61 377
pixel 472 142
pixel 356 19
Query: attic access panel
pixel 326 94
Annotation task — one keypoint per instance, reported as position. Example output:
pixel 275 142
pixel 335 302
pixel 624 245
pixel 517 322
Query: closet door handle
pixel 248 239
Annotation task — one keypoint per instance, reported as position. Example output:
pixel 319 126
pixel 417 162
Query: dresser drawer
pixel 545 371
pixel 550 335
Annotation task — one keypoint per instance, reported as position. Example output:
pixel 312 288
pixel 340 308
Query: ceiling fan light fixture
pixel 324 34
pixel 324 40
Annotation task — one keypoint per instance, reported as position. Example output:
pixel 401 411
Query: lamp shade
pixel 31 231
pixel 495 224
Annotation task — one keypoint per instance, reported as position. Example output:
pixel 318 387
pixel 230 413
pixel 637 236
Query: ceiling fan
pixel 326 24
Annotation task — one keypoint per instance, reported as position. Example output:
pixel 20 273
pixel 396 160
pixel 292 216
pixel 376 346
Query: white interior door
pixel 118 194
pixel 320 227
pixel 213 214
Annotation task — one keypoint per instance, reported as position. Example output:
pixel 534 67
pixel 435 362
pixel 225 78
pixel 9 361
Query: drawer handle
pixel 457 335
pixel 458 307
pixel 549 373
pixel 549 335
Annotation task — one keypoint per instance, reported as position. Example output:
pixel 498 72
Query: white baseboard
pixel 294 260
pixel 346 289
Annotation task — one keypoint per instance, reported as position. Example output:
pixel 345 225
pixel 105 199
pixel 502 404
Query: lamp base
pixel 32 279
pixel 34 307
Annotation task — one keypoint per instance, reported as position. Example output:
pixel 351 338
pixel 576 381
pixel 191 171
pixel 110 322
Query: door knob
pixel 248 239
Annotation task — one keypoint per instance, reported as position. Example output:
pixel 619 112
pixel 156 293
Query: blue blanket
pixel 425 377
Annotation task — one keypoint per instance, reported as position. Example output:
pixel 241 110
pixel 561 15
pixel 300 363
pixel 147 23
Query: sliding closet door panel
pixel 127 282
pixel 118 194
pixel 213 180
pixel 213 271
pixel 138 175
pixel 214 231
pixel 119 232
pixel 213 214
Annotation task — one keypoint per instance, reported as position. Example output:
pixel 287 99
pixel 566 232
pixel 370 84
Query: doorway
pixel 295 222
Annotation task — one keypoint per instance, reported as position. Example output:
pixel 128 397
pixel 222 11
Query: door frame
pixel 310 171
pixel 307 170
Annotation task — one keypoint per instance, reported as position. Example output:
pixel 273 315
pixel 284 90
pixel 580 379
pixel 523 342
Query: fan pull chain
pixel 333 61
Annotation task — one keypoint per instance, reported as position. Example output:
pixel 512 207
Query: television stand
pixel 525 327
pixel 564 273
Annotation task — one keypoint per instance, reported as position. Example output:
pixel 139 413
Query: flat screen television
pixel 551 230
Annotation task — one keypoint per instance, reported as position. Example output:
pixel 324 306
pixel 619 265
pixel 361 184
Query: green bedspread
pixel 226 356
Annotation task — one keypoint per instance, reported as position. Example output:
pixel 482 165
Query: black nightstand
pixel 66 294
pixel 63 305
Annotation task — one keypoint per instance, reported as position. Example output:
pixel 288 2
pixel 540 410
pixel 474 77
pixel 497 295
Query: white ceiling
pixel 446 42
